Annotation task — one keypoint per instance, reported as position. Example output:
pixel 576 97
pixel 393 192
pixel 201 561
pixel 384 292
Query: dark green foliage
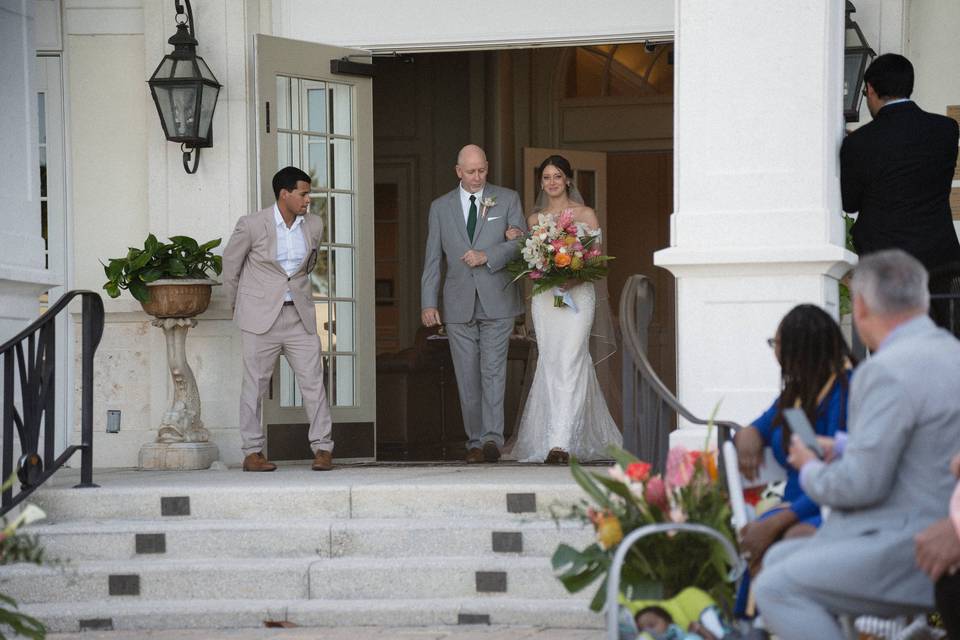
pixel 182 257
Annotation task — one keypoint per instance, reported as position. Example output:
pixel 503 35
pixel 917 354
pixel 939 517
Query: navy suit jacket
pixel 896 171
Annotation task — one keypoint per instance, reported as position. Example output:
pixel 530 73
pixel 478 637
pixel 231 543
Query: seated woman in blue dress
pixel 815 370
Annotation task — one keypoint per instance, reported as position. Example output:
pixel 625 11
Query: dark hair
pixel 891 76
pixel 812 348
pixel 287 178
pixel 654 609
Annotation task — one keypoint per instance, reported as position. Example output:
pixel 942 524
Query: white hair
pixel 891 282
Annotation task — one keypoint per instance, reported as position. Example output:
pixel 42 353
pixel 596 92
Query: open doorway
pixel 614 99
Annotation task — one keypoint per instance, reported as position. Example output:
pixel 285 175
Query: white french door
pixel 321 121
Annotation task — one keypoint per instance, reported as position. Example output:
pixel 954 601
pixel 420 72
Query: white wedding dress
pixel 565 408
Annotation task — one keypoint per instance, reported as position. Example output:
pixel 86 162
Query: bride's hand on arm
pixel 513 233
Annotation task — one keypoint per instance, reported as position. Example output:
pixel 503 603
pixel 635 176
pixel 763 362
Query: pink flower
pixel 656 493
pixel 616 473
pixel 566 217
pixel 679 467
pixel 536 274
pixel 577 246
pixel 571 229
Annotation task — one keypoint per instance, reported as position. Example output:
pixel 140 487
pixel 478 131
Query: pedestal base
pixel 179 456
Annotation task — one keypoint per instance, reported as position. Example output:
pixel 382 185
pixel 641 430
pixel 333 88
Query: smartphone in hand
pixel 801 427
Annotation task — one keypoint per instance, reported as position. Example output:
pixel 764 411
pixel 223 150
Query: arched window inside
pixel 623 70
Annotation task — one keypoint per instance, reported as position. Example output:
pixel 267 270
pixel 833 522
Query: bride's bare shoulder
pixel 586 215
pixel 532 219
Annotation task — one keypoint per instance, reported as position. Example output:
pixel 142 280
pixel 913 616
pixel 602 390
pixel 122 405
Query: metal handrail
pixel 36 369
pixel 613 576
pixel 634 347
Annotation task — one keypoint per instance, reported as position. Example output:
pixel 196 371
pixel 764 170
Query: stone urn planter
pixel 170 281
pixel 170 298
pixel 182 440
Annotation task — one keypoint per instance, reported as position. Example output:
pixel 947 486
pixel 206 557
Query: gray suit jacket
pixel 254 282
pixel 893 479
pixel 447 236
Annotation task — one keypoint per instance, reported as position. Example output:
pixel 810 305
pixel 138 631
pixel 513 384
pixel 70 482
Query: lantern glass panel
pixel 184 69
pixel 851 79
pixel 205 70
pixel 183 101
pixel 163 71
pixel 207 104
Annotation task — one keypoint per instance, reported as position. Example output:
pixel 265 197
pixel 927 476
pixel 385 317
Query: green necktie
pixel 472 217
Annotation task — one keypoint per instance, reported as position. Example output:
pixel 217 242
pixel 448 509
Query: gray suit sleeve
pixel 883 425
pixel 500 254
pixel 234 255
pixel 430 281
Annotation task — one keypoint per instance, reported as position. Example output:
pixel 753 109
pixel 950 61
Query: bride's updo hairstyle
pixel 560 163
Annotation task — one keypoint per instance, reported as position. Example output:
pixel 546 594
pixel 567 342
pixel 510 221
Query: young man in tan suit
pixel 266 276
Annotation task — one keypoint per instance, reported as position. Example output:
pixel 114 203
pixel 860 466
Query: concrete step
pixel 117 614
pixel 92 540
pixel 293 492
pixel 284 578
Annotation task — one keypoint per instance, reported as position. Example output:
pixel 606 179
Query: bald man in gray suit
pixel 467 227
pixel 892 479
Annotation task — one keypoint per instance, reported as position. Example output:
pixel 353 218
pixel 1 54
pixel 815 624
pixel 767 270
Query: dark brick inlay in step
pixel 507 541
pixel 151 542
pixel 175 506
pixel 124 584
pixel 96 624
pixel 491 581
pixel 521 502
pixel 473 618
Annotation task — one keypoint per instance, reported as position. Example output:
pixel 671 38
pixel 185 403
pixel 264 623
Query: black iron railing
pixel 30 367
pixel 650 408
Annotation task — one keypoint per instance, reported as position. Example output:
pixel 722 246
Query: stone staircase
pixel 362 545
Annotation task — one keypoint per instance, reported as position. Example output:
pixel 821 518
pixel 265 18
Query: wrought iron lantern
pixel 856 54
pixel 185 91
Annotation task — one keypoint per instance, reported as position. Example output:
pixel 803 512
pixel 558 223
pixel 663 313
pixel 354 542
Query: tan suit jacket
pixel 256 284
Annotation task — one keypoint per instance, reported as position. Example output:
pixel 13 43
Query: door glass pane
pixel 341 218
pixel 323 325
pixel 343 315
pixel 289 389
pixel 315 157
pixel 315 103
pixel 341 165
pixel 587 184
pixel 342 272
pixel 285 150
pixel 343 381
pixel 340 113
pixel 318 207
pixel 320 278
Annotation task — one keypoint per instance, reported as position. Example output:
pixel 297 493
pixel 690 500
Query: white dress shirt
pixel 291 245
pixel 465 202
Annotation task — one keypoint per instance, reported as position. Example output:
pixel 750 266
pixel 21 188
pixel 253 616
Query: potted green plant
pixel 169 279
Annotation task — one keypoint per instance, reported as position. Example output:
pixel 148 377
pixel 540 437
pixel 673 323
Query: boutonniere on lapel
pixel 486 204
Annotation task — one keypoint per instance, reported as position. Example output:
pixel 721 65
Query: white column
pixel 757 226
pixel 23 276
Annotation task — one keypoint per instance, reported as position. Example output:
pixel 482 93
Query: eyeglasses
pixel 772 342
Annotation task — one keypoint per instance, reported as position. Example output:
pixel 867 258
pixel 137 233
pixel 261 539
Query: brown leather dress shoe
pixel 322 461
pixel 257 462
pixel 491 452
pixel 475 455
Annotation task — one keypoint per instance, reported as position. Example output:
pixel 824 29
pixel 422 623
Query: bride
pixel 565 411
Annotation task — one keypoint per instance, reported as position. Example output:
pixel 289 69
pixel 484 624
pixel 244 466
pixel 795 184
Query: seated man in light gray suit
pixel 467 227
pixel 892 479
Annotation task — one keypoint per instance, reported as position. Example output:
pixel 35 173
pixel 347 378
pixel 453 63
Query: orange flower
pixel 638 471
pixel 562 259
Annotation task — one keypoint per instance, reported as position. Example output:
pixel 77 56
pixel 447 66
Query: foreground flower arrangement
pixel 16 546
pixel 627 496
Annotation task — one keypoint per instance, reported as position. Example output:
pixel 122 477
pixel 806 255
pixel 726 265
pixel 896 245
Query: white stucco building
pixel 736 143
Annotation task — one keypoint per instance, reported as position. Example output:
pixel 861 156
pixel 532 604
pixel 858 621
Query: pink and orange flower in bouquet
pixel 556 251
pixel 630 495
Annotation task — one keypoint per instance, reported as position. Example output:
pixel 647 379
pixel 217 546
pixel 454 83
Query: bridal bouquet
pixel 555 252
pixel 628 496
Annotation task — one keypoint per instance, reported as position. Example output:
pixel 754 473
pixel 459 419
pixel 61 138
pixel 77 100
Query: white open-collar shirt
pixel 291 245
pixel 465 201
